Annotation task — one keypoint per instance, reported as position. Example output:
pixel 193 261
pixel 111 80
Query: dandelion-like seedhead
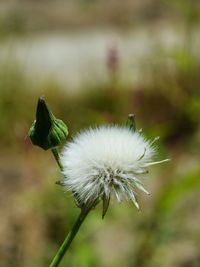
pixel 104 162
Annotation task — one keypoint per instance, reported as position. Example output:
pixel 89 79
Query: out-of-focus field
pixel 162 88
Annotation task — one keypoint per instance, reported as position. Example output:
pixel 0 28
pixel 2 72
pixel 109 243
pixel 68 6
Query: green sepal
pixel 130 123
pixel 47 131
pixel 106 202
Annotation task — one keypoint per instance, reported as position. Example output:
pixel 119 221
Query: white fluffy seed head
pixel 104 162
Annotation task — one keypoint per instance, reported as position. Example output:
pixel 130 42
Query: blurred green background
pixel 96 62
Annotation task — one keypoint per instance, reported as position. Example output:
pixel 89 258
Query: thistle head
pixel 47 131
pixel 106 162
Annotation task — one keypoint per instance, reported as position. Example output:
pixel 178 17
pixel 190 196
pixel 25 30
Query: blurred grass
pixel 166 105
pixel 36 214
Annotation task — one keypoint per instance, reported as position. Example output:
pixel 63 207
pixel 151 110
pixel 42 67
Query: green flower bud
pixel 130 123
pixel 47 131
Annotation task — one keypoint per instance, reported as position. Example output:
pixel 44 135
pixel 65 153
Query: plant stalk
pixel 57 157
pixel 71 235
pixel 69 238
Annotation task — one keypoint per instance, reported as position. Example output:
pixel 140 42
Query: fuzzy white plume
pixel 106 161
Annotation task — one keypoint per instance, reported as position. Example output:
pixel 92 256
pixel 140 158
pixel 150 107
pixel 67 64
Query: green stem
pixel 69 238
pixel 57 157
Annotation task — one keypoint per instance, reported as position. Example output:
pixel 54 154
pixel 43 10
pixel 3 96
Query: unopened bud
pixel 47 131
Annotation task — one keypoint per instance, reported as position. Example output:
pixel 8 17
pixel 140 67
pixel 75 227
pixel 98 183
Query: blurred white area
pixel 72 58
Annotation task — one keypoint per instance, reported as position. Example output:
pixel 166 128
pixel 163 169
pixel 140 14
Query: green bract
pixel 47 131
pixel 130 123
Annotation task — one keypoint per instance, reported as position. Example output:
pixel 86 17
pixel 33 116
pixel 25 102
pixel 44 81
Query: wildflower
pixel 106 162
